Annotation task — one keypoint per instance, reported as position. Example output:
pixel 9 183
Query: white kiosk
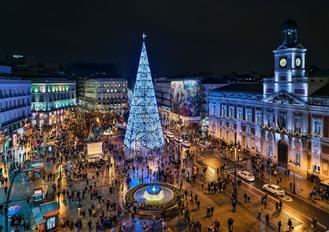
pixel 95 152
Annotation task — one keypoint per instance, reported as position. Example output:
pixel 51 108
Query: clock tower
pixel 289 65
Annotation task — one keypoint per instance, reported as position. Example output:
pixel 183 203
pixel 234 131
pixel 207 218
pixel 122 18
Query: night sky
pixel 183 36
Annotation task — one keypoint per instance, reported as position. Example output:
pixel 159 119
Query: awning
pixel 37 216
pixel 36 165
pixel 49 208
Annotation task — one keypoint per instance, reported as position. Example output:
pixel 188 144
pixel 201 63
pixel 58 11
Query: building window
pixel 224 110
pixel 297 125
pixel 316 168
pixel 270 120
pixel 231 112
pixel 248 131
pixel 240 114
pixel 317 127
pixel 259 117
pixel 248 115
pixel 282 121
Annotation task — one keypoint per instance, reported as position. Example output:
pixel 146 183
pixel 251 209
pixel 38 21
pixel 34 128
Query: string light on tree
pixel 144 128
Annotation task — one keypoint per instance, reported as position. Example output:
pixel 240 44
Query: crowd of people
pixel 320 192
pixel 96 190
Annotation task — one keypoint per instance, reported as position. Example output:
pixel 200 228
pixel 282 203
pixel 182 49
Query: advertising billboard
pixel 186 97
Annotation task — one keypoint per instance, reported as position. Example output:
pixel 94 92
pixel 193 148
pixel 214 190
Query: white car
pixel 246 175
pixel 275 189
pixel 178 139
pixel 186 144
pixel 170 135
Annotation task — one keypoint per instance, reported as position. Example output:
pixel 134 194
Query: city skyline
pixel 197 37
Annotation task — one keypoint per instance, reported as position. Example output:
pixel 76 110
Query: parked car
pixel 186 144
pixel 274 189
pixel 178 139
pixel 170 136
pixel 246 175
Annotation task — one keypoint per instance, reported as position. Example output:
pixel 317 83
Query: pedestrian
pixel 245 197
pixel 280 204
pixel 290 226
pixel 314 223
pixel 90 225
pixel 276 206
pixel 265 203
pixel 259 215
pixel 279 226
pixel 233 205
pixel 267 219
pixel 230 222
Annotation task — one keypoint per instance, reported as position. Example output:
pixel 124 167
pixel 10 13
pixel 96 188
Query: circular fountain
pixel 154 194
pixel 153 198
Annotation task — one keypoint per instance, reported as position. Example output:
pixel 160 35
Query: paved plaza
pixel 90 193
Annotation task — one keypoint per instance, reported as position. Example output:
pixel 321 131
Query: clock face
pixel 298 62
pixel 283 62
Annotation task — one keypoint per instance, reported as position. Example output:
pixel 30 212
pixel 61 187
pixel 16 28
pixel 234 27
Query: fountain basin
pixel 153 189
pixel 159 199
pixel 153 194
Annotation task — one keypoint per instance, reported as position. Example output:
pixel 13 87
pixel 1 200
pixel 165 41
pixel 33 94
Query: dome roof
pixel 289 24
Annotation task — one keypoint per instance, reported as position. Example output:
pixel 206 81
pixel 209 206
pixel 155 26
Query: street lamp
pixel 236 148
pixel 6 204
pixel 293 164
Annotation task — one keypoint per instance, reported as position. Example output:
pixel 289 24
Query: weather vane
pixel 144 36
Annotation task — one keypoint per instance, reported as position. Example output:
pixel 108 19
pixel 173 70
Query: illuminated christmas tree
pixel 144 129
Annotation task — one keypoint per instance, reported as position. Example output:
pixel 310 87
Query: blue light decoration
pixel 144 129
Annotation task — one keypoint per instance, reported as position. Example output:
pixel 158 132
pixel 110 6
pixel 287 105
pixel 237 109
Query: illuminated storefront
pixel 50 99
pixel 15 111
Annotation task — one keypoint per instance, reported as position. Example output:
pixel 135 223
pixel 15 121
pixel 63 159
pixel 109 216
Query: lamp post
pixel 6 205
pixel 236 148
pixel 293 164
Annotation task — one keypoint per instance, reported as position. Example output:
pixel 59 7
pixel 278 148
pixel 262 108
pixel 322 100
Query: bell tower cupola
pixel 289 64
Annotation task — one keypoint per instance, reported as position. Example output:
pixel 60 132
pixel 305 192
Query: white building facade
pixel 106 95
pixel 285 119
pixel 15 112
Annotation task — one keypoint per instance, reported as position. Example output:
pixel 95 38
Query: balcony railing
pixel 6 123
pixel 3 109
pixel 2 96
